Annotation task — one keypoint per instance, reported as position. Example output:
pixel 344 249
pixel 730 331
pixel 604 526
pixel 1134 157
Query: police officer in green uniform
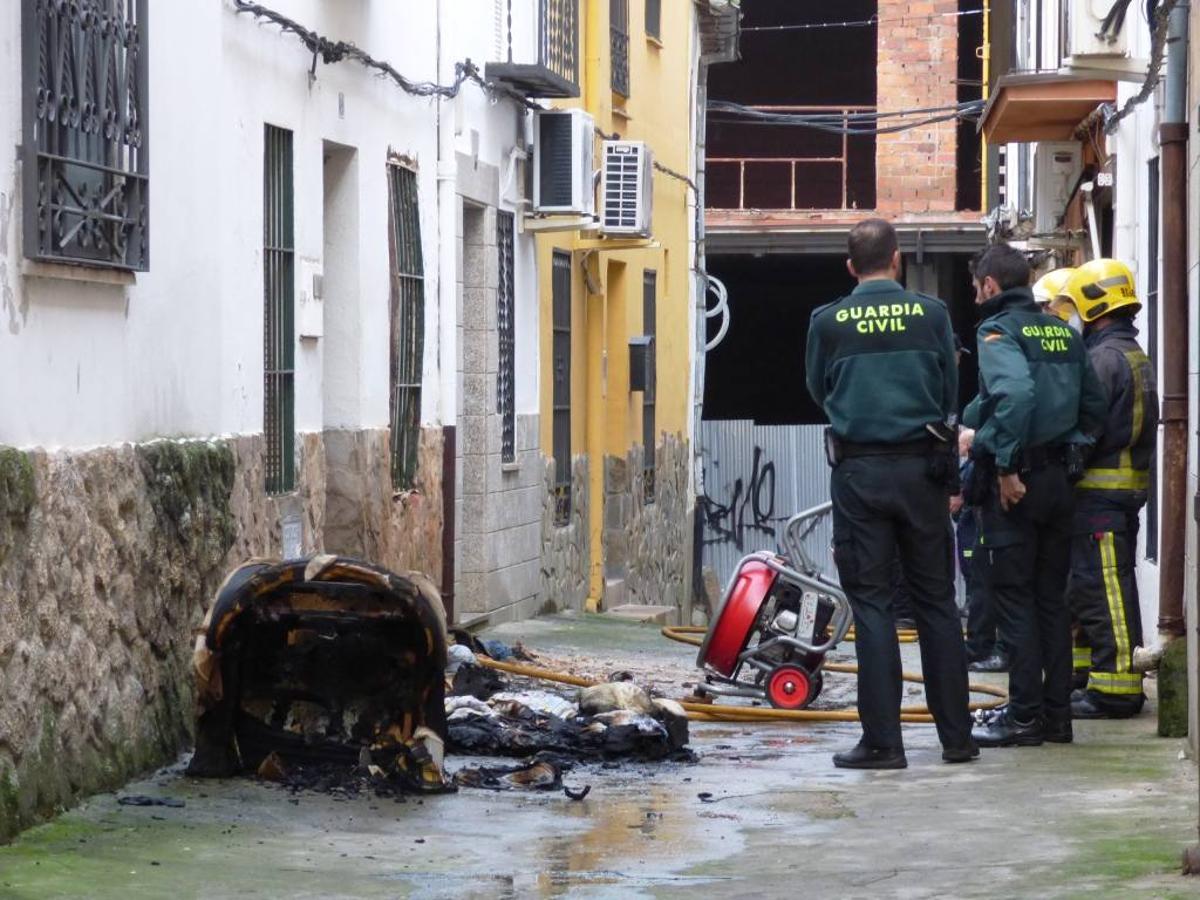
pixel 881 363
pixel 1038 399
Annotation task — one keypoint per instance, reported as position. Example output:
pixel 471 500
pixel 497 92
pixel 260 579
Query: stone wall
pixel 108 560
pixel 366 518
pixel 648 540
pixel 566 549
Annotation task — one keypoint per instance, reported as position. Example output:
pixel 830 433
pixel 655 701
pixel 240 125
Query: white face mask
pixel 1076 322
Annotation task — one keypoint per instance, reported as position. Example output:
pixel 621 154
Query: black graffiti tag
pixel 728 522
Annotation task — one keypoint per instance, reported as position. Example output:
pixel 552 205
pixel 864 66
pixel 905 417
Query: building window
pixel 1152 189
pixel 654 19
pixel 279 278
pixel 85 156
pixel 649 424
pixel 506 399
pixel 618 11
pixel 407 323
pixel 561 301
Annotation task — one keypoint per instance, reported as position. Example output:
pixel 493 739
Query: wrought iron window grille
pixel 407 323
pixel 619 45
pixel 561 366
pixel 279 274
pixel 86 137
pixel 506 335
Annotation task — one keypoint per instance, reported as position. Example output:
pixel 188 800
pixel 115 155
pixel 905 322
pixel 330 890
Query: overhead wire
pixel 862 23
pixel 850 122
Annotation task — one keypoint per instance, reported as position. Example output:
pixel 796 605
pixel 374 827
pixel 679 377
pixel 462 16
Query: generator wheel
pixel 790 687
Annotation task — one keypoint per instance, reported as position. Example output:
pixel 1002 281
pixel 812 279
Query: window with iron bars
pixel 279 278
pixel 407 323
pixel 506 399
pixel 654 19
pixel 561 301
pixel 618 11
pixel 649 424
pixel 86 152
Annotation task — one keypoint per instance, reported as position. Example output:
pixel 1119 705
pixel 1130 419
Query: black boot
pixel 1005 731
pixel 994 663
pixel 864 757
pixel 961 754
pixel 1057 729
pixel 1089 706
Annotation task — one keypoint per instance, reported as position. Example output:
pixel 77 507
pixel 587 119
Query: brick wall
pixel 918 61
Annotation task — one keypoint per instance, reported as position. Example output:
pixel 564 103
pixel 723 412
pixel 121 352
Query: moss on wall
pixel 17 496
pixel 189 486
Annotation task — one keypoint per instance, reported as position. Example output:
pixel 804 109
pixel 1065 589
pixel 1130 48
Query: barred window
pixel 407 324
pixel 279 276
pixel 561 301
pixel 654 19
pixel 506 329
pixel 618 12
pixel 85 156
pixel 649 424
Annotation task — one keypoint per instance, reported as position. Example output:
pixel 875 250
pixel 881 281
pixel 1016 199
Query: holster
pixel 1075 462
pixel 942 463
pixel 979 487
pixel 834 452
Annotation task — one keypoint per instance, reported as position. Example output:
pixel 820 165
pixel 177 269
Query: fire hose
pixel 707 711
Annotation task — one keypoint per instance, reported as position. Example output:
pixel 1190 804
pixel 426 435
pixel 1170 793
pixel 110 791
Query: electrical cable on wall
pixel 1160 14
pixel 329 52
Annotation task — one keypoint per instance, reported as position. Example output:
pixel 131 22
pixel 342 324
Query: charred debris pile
pixel 335 675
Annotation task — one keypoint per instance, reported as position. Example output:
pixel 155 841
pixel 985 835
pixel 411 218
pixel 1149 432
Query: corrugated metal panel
pixel 756 477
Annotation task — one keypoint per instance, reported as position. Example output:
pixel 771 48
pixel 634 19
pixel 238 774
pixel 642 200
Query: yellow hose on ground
pixel 707 711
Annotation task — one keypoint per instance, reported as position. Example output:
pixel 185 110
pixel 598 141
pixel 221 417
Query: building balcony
pixel 753 166
pixel 1043 106
pixel 542 49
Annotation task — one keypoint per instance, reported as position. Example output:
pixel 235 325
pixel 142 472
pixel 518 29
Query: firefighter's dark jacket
pixel 1119 464
pixel 1036 386
pixel 881 363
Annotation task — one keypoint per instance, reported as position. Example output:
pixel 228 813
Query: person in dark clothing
pixel 1038 399
pixel 985 651
pixel 880 362
pixel 1102 591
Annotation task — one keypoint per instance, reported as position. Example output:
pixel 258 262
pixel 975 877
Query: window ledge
pixel 622 112
pixel 63 272
pixel 509 467
pixel 655 42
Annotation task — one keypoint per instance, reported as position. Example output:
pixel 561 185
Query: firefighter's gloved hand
pixel 1012 490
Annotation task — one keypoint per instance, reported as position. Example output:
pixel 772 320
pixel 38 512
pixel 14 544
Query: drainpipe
pixel 1173 138
pixel 447 319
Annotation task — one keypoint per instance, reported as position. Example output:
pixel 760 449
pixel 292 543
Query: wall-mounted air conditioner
pixel 563 167
pixel 1057 166
pixel 626 188
pixel 1089 37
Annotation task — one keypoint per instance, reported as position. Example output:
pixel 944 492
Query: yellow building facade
pixel 624 505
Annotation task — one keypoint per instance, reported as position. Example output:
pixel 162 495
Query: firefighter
pixel 1102 590
pixel 1037 397
pixel 880 362
pixel 1050 291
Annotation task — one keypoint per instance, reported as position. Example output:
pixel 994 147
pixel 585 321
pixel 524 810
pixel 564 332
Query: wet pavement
pixel 1107 816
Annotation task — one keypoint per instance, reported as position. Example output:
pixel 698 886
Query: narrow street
pixel 1105 817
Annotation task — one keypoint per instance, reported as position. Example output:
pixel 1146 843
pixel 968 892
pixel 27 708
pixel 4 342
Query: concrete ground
pixel 1107 816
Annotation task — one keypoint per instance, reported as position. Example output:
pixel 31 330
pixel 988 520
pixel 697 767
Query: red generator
pixel 779 619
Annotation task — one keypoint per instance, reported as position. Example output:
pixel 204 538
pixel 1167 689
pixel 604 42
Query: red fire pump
pixel 779 619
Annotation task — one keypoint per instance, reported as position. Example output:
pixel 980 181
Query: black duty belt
pixel 922 447
pixel 1045 455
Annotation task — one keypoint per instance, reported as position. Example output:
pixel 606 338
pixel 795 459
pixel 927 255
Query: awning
pixel 1042 106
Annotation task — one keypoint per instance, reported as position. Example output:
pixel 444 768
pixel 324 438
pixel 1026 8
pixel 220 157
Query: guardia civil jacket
pixel 1120 462
pixel 1036 386
pixel 880 362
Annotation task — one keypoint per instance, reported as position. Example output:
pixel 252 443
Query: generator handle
pixel 797 530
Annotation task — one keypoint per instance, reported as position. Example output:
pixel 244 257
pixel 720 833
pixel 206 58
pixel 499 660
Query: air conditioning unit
pixel 1086 36
pixel 563 162
pixel 626 188
pixel 1057 166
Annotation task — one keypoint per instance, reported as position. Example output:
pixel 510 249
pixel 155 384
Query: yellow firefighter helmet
pixel 1051 291
pixel 1101 286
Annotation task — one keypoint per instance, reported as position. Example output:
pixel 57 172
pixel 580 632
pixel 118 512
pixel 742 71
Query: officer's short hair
pixel 1006 264
pixel 872 244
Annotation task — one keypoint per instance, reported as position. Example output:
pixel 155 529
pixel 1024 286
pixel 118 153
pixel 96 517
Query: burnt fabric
pixel 884 506
pixel 528 733
pixel 1028 559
